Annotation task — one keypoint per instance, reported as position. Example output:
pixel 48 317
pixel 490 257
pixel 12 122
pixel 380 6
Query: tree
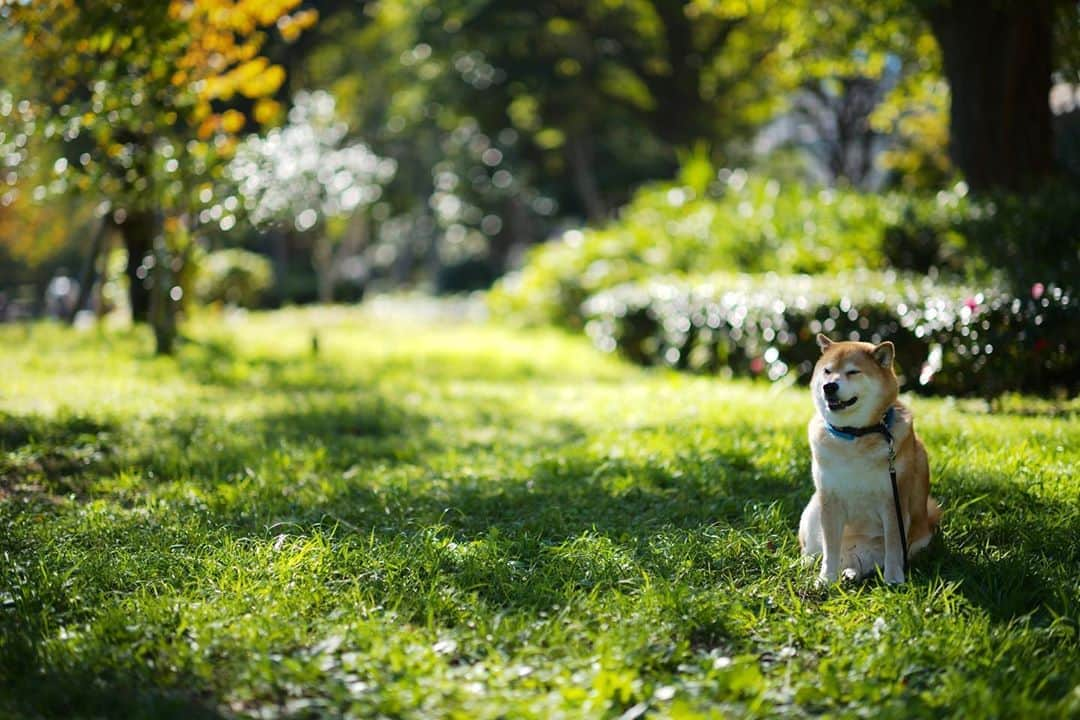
pixel 467 192
pixel 998 59
pixel 144 97
pixel 302 176
pixel 869 74
pixel 599 88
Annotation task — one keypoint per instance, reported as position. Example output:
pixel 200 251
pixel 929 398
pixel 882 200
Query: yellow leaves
pixel 268 11
pixel 208 127
pixel 732 8
pixel 217 87
pixel 227 123
pixel 267 111
pixel 225 45
pixel 253 79
pixel 926 46
pixel 181 9
pixel 171 67
pixel 105 40
pixel 233 121
pixel 265 82
pixel 248 50
pixel 202 111
pixel 246 72
pixel 290 26
pixel 171 224
pixel 238 16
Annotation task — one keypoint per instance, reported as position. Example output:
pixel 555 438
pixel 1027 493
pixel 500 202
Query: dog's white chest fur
pixel 852 473
pixel 854 476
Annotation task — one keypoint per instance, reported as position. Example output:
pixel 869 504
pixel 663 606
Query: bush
pixel 1032 239
pixel 234 277
pixel 1019 240
pixel 738 223
pixel 949 339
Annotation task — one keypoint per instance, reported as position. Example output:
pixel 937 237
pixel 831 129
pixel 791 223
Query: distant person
pixel 61 294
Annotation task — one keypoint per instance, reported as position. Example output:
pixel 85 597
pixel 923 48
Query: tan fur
pixel 851 518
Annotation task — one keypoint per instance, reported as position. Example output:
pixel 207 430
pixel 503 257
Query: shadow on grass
pixel 44 457
pixel 1013 553
pixel 86 692
pixel 215 362
pixel 68 647
pixel 1010 560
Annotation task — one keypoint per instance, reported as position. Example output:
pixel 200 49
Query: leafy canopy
pixel 144 97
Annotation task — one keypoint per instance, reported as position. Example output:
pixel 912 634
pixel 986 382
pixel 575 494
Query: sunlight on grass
pixel 442 519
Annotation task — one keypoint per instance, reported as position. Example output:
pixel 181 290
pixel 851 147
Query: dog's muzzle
pixel 834 402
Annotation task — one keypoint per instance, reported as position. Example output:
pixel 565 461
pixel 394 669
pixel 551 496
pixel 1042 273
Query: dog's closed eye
pixel 852 373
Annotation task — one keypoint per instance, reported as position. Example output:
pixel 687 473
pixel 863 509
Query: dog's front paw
pixel 826 577
pixel 894 577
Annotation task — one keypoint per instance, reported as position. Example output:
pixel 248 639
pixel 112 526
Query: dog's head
pixel 854 382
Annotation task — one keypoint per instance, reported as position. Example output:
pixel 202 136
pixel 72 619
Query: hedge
pixel 746 223
pixel 949 339
pixel 740 223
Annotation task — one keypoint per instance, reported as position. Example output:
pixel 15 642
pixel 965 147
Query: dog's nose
pixel 830 388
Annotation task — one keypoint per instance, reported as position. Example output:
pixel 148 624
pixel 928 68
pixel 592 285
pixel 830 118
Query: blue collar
pixel 852 433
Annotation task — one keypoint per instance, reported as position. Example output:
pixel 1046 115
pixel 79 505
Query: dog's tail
pixel 933 513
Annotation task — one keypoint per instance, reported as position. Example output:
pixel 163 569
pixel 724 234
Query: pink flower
pixel 971 304
pixel 757 365
pixel 1037 290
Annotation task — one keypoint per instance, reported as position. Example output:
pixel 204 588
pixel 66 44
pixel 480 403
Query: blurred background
pixel 702 184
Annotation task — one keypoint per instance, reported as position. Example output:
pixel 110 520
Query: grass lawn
pixel 438 520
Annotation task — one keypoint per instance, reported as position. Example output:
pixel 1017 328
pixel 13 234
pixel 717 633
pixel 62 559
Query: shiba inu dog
pixel 852 518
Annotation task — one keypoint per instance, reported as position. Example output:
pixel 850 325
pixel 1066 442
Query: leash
pixel 882 428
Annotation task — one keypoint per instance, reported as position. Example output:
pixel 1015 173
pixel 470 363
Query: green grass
pixel 439 520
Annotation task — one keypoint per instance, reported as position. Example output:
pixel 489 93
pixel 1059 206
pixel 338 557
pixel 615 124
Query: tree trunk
pixel 279 252
pixel 579 150
pixel 322 259
pixel 137 230
pixel 163 306
pixel 998 62
pixel 88 275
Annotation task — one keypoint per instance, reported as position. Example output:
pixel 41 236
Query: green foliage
pixel 1028 239
pixel 1034 238
pixel 434 520
pixel 949 339
pixel 233 277
pixel 742 223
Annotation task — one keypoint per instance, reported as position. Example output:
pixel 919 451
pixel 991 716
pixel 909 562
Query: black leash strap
pixel 896 497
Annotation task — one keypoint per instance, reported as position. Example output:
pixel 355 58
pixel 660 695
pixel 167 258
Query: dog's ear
pixel 884 354
pixel 823 342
